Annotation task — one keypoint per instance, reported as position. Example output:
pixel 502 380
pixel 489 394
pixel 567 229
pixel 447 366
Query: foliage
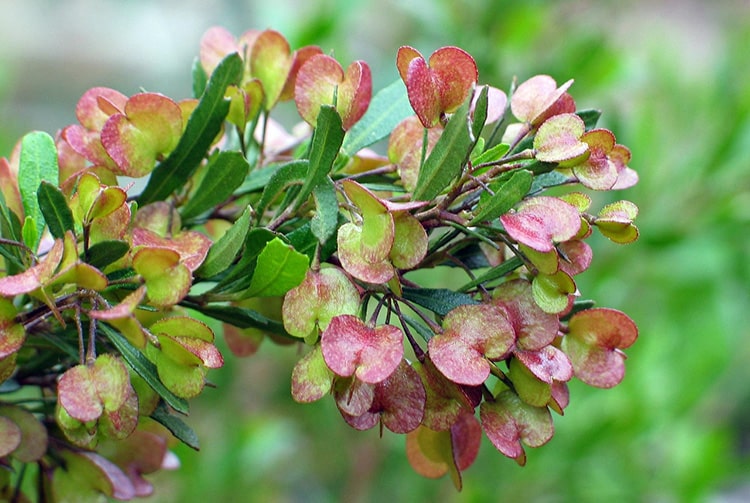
pixel 305 239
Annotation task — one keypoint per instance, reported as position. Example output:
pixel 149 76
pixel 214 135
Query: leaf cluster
pixel 305 237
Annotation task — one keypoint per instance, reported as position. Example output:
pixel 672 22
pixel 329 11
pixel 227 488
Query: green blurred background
pixel 673 80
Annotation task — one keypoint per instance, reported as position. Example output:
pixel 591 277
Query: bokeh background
pixel 673 80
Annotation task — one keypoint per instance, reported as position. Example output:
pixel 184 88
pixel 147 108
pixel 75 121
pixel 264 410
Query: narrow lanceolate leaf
pixel 222 252
pixel 30 231
pixel 238 277
pixel 144 368
pixel 10 226
pixel 492 154
pixel 10 229
pixel 304 241
pixel 325 221
pixel 177 426
pixel 200 78
pixel 496 272
pixel 105 252
pixel 447 157
pixel 240 317
pixel 54 206
pixel 545 180
pixel 204 124
pixel 325 147
pixel 387 108
pixel 507 193
pixel 224 174
pixel 590 117
pixel 438 300
pixel 480 114
pixel 280 268
pixel 289 174
pixel 258 179
pixel 38 163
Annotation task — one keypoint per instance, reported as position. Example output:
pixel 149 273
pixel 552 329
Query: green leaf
pixel 496 272
pixel 30 232
pixel 493 154
pixel 240 317
pixel 578 306
pixel 549 179
pixel 590 117
pixel 202 128
pixel 238 278
pixel 143 367
pixel 224 173
pixel 63 341
pixel 325 221
pixel 258 179
pixel 223 252
pixel 292 173
pixel 507 193
pixel 126 273
pixel 10 229
pixel 526 143
pixel 304 241
pixel 440 301
pixel 480 114
pixel 10 225
pixel 383 187
pixel 176 425
pixel 104 253
pixel 54 207
pixel 325 146
pixel 38 163
pixel 469 255
pixel 419 327
pixel 479 146
pixel 539 167
pixel 9 386
pixel 447 157
pixel 387 108
pixel 13 262
pixel 200 78
pixel 280 268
